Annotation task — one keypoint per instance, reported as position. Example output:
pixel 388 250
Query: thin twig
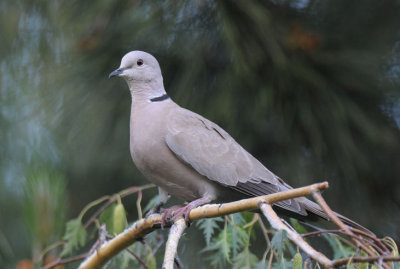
pixel 65 261
pixel 159 244
pixel 171 247
pixel 322 203
pixel 137 258
pixel 375 246
pixel 112 199
pixel 376 239
pixel 276 223
pixel 270 259
pixel 138 205
pixel 369 259
pixel 264 230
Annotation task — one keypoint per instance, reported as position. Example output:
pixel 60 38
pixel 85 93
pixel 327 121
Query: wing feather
pixel 213 153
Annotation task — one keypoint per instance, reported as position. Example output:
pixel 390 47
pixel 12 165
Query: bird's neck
pixel 144 91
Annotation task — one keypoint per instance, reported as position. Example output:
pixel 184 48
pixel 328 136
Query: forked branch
pixel 140 228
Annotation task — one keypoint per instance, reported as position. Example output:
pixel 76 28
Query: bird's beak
pixel 117 72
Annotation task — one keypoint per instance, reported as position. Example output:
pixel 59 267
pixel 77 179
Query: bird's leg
pixel 155 209
pixel 164 196
pixel 184 211
pixel 169 214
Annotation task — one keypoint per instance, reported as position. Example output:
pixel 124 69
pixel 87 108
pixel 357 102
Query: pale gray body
pixel 188 156
pixel 156 161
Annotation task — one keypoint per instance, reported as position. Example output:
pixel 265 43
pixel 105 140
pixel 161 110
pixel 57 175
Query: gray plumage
pixel 188 156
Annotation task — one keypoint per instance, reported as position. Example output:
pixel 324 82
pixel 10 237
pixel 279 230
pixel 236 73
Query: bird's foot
pixel 175 212
pixel 156 209
pixel 169 214
pixel 184 211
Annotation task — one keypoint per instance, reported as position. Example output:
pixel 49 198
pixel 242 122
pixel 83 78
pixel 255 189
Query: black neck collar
pixel 160 98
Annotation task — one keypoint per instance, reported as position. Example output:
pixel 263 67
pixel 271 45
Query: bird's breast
pixel 158 163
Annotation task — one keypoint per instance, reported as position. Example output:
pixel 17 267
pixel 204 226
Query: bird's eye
pixel 139 62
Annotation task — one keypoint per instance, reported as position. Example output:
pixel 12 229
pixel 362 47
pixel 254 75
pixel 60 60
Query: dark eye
pixel 139 62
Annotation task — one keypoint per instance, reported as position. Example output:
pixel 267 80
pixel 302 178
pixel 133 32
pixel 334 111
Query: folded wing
pixel 213 153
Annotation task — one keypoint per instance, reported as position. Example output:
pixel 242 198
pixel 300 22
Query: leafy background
pixel 310 87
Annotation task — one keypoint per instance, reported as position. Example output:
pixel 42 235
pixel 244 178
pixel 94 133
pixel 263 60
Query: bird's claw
pixel 183 212
pixel 156 209
pixel 169 215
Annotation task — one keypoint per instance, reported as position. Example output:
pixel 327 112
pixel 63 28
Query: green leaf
pixel 339 250
pixel 247 216
pixel 282 263
pixel 75 236
pixel 151 261
pixel 119 218
pixel 240 238
pixel 152 203
pixel 107 218
pixel 208 226
pixel 222 248
pixel 278 241
pixel 364 265
pixel 224 241
pixel 238 219
pixel 245 260
pixel 297 261
pixel 297 226
pixel 261 265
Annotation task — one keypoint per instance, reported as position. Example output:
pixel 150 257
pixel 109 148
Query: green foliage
pixel 152 203
pixel 106 217
pixel 297 261
pixel 119 218
pixel 75 235
pixel 297 226
pixel 244 260
pixel 221 248
pixel 145 252
pixel 278 242
pixel 340 250
pixel 282 263
pixel 208 226
pixel 239 236
pixel 44 206
pixel 228 245
pixel 232 241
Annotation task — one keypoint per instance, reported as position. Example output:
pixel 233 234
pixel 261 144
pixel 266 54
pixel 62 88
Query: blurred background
pixel 309 87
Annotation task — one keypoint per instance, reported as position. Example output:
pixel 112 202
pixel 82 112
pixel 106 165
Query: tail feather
pixel 314 208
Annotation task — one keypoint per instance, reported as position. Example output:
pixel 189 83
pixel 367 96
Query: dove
pixel 189 156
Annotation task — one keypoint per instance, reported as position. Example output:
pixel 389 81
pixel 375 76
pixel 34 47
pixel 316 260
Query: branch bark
pixel 276 223
pixel 144 226
pixel 112 247
pixel 171 247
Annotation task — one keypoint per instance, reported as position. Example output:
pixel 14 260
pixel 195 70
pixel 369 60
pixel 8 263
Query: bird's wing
pixel 213 153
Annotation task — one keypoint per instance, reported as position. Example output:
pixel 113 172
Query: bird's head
pixel 140 70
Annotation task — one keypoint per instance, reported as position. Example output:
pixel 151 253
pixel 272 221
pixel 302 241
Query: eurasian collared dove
pixel 188 156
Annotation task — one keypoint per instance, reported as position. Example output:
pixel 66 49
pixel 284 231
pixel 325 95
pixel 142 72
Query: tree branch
pixel 152 222
pixel 171 247
pixel 112 247
pixel 216 210
pixel 358 241
pixel 369 259
pixel 276 223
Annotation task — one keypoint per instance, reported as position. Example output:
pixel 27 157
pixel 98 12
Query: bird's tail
pixel 314 208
